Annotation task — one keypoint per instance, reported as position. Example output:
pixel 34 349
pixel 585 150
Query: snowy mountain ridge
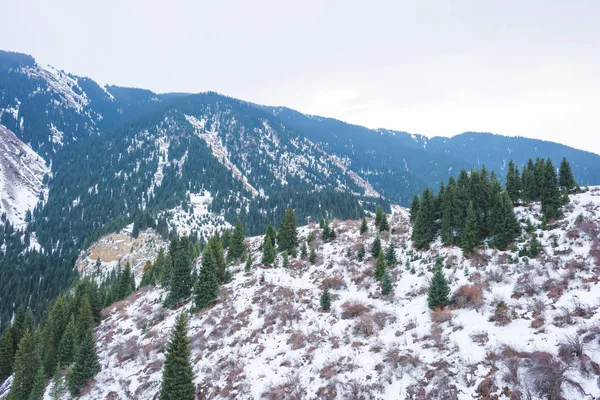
pixel 517 327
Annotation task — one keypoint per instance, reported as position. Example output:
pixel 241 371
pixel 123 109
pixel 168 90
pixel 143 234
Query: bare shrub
pixel 479 337
pixel 548 376
pixel 502 314
pixel 365 325
pixel 525 286
pixel 398 358
pixel 335 282
pixel 570 348
pixel 496 275
pixel 563 317
pixel 297 340
pixel 468 296
pixel 381 318
pixel 441 315
pixel 352 309
pixel 480 259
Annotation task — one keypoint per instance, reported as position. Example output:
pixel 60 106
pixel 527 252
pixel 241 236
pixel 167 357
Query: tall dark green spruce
pixel 85 318
pixel 380 267
pixel 390 255
pixel 178 375
pixel 381 219
pixel 26 367
pixel 446 205
pixel 53 332
pixel 67 347
pixel 386 284
pixel 363 226
pixel 551 198
pixel 438 289
pixel 469 238
pixel 513 182
pixel 376 247
pixel 7 354
pixel 424 228
pixel 270 232
pixel 181 282
pixel 287 235
pixel 207 285
pixel 414 208
pixel 237 247
pixel 565 176
pixel 268 256
pixel 325 300
pixel 506 228
pixel 216 248
pixel 86 365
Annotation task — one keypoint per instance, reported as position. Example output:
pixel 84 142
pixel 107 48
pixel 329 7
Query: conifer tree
pixel 58 390
pixel 328 233
pixel 438 290
pixel 26 366
pixel 425 227
pixel 414 208
pixel 7 354
pixel 550 193
pixel 85 319
pixel 505 225
pixel 270 232
pixel 236 245
pixel 68 344
pixel 513 182
pixel 206 286
pixel 386 284
pixel 288 235
pixel 534 246
pixel 178 376
pixel 380 267
pixel 86 365
pixel 363 226
pixel 361 253
pixel 313 256
pixel 303 251
pixel 383 225
pixel 268 257
pixel 469 237
pixel 325 300
pixel 216 248
pixel 528 187
pixel 225 239
pixel 376 247
pixel 378 216
pixel 39 385
pixel 390 255
pixel 248 265
pixel 53 332
pixel 285 262
pixel 21 323
pixel 565 176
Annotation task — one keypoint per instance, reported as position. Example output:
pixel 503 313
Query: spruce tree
pixel 528 187
pixel 414 208
pixel 248 265
pixel 271 234
pixel 39 385
pixel 383 225
pixel 390 255
pixel 178 376
pixel 181 283
pixel 206 286
pixel 363 226
pixel 325 300
pixel 438 290
pixel 303 251
pixel 53 332
pixel 26 367
pixel 236 245
pixel 386 284
pixel 513 182
pixel 534 246
pixel 313 256
pixel 380 267
pixel 216 248
pixel 268 257
pixel 376 247
pixel 424 228
pixel 361 253
pixel 288 235
pixel 551 198
pixel 285 262
pixel 378 216
pixel 68 344
pixel 85 319
pixel 565 176
pixel 506 228
pixel 446 232
pixel 7 354
pixel 469 237
pixel 86 365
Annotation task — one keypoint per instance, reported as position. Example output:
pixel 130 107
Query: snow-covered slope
pixel 21 175
pixel 517 326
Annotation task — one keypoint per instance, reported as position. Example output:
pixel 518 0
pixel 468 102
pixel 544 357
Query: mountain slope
pixel 22 174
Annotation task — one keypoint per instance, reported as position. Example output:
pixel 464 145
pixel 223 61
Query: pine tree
pixel 181 283
pixel 206 286
pixel 438 290
pixel 236 245
pixel 550 192
pixel 27 363
pixel 58 390
pixel 303 251
pixel 506 228
pixel 271 234
pixel 363 226
pixel 7 354
pixel 383 225
pixel 68 344
pixel 178 376
pixel 313 256
pixel 424 229
pixel 288 235
pixel 361 253
pixel 566 179
pixel 390 255
pixel 216 248
pixel 86 365
pixel 53 332
pixel 380 267
pixel 378 216
pixel 225 239
pixel 534 246
pixel 386 284
pixel 268 257
pixel 414 208
pixel 325 300
pixel 528 187
pixel 446 232
pixel 85 319
pixel 469 237
pixel 513 182
pixel 376 247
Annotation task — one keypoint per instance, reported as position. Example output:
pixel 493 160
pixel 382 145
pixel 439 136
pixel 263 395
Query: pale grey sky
pixel 515 67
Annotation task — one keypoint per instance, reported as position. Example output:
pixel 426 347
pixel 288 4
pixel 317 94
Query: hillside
pixel 517 327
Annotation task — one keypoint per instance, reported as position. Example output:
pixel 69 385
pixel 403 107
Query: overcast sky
pixel 529 68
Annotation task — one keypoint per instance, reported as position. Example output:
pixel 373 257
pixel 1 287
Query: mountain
pixel 22 176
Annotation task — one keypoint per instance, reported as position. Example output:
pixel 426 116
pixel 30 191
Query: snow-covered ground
pixel 271 340
pixel 21 174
